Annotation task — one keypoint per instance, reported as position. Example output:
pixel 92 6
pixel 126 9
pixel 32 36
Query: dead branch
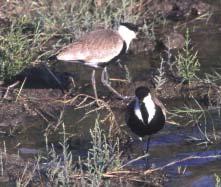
pixel 179 161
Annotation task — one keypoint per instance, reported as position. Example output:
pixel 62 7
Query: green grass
pixel 160 78
pixel 201 117
pixel 19 47
pixel 187 61
pixel 218 180
pixel 60 168
pixel 28 175
pixel 73 18
pixel 102 157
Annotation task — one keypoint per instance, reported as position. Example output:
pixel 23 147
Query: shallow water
pixel 173 145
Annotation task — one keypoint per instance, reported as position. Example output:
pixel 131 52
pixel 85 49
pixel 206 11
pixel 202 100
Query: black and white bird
pixel 98 48
pixel 145 115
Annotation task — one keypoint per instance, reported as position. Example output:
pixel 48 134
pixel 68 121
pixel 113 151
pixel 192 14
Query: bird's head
pixel 141 92
pixel 128 32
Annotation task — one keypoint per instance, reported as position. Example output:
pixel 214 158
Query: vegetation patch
pixel 187 61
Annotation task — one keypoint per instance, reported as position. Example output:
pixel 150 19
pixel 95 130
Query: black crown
pixel 142 92
pixel 130 26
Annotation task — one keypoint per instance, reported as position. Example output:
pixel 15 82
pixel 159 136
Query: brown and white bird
pixel 98 48
pixel 145 115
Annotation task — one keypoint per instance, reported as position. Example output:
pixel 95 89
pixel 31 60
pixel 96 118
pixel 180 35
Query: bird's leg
pixel 105 76
pixel 146 151
pixel 105 81
pixel 94 85
pixel 148 144
pixel 55 78
pixel 10 87
pixel 119 64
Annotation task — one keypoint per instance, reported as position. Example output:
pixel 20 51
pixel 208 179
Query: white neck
pixel 126 34
pixel 150 106
pixel 137 110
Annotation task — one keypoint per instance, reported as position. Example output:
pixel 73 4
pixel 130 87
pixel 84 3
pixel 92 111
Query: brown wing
pixel 96 46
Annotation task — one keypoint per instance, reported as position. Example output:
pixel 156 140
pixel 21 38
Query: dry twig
pixel 179 161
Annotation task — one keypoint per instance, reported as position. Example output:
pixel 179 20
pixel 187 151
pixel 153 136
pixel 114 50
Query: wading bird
pixel 145 115
pixel 98 48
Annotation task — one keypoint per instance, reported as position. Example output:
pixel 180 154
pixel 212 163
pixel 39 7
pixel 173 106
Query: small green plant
pixel 218 180
pixel 28 175
pixel 212 78
pixel 201 117
pixel 61 169
pixel 103 156
pixel 149 28
pixel 187 61
pixel 160 78
pixel 181 170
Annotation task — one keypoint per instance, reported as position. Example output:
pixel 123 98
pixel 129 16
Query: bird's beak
pixel 136 36
pixel 139 33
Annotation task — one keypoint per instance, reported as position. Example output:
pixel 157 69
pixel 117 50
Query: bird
pixel 145 114
pixel 98 48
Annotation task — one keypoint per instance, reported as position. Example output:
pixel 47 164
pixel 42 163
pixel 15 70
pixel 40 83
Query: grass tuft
pixel 18 47
pixel 187 60
pixel 218 180
pixel 60 168
pixel 102 157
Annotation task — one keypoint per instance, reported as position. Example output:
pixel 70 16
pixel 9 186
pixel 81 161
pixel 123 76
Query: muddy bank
pixel 47 103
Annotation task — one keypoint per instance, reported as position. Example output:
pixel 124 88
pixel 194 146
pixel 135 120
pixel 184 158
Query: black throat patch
pixel 144 113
